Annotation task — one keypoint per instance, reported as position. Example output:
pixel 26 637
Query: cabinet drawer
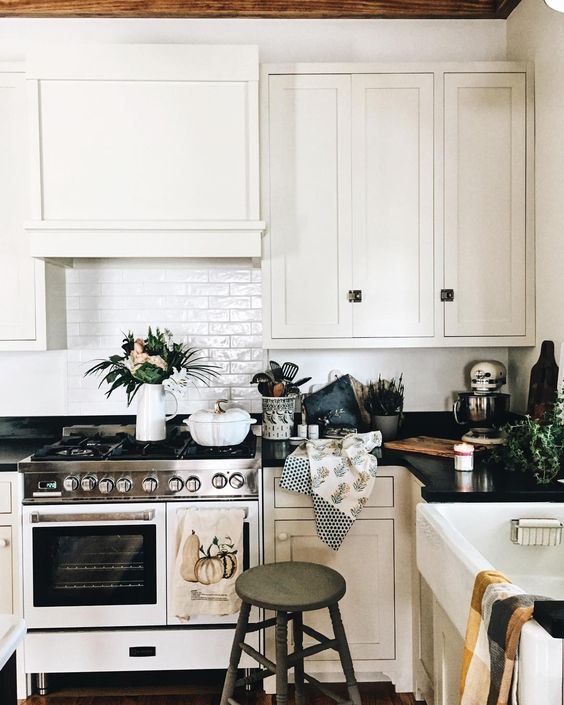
pixel 5 498
pixel 382 495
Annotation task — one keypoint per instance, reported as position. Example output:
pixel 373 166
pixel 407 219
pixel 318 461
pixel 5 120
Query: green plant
pixel 384 397
pixel 535 446
pixel 151 360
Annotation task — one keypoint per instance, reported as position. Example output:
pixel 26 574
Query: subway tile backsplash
pixel 214 305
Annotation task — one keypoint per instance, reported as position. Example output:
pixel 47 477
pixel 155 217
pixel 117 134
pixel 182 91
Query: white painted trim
pixel 144 62
pixel 392 67
pixel 383 343
pixel 144 242
pixel 189 226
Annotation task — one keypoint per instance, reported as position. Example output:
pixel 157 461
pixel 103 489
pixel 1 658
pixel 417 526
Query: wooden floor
pixel 108 691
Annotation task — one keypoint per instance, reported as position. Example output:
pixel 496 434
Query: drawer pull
pixel 4 543
pixel 283 536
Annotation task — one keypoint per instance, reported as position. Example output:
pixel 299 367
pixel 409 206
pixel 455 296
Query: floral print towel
pixel 339 476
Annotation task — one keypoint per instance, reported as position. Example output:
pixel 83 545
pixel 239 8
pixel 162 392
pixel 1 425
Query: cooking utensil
pixel 276 371
pixel 221 427
pixel 279 389
pixel 289 371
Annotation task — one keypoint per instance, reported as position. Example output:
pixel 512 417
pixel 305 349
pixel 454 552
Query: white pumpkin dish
pixel 220 427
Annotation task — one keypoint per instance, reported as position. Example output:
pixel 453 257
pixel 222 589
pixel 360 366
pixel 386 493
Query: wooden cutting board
pixel 426 445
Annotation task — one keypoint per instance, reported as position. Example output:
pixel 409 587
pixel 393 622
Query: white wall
pixel 51 382
pixel 279 40
pixel 536 33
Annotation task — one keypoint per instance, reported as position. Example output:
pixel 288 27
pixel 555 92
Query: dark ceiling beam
pixel 505 8
pixel 389 9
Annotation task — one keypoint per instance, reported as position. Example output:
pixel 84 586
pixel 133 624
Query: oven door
pixel 86 566
pixel 251 552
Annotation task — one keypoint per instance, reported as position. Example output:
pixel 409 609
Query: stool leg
pixel 239 636
pixel 281 658
pixel 299 667
pixel 344 654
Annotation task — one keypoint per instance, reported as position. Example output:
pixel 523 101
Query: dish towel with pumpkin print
pixel 498 612
pixel 209 558
pixel 339 476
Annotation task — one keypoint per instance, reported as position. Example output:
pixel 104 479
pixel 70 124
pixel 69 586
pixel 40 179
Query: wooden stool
pixel 290 589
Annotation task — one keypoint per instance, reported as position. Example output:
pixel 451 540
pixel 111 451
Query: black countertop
pixel 12 450
pixel 488 482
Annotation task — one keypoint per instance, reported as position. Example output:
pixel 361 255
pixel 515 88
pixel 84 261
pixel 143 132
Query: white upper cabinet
pixel 144 139
pixel 310 206
pixel 485 192
pixel 399 201
pixel 25 302
pixel 392 196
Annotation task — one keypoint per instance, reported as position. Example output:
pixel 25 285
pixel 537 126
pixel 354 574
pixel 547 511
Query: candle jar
pixel 463 457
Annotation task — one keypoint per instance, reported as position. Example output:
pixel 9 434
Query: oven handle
pixel 37 518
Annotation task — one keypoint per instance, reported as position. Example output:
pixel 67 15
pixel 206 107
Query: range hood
pixel 144 151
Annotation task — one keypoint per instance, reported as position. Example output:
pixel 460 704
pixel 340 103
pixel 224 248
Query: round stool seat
pixel 291 586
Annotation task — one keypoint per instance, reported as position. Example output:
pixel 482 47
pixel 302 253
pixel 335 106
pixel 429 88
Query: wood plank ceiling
pixel 360 9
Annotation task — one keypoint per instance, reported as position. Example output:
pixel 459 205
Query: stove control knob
pixel 124 484
pixel 106 485
pixel 88 483
pixel 237 481
pixel 175 484
pixel 149 484
pixel 70 483
pixel 219 481
pixel 193 484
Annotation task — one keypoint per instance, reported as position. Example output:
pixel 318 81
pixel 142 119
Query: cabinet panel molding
pixel 485 196
pixel 310 206
pixel 392 186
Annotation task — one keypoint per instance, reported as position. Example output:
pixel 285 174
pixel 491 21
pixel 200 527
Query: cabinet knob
pixel 4 543
pixel 283 536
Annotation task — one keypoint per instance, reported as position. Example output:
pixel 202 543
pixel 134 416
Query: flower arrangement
pixel 151 360
pixel 384 397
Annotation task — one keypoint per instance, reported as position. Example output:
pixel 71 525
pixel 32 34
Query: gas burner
pixel 78 448
pixel 132 449
pixel 246 449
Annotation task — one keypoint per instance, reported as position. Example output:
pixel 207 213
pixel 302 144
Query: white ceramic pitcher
pixel 151 413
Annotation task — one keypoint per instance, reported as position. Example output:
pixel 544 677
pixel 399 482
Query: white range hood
pixel 144 151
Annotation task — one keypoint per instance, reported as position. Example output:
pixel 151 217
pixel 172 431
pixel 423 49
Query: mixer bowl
pixel 483 410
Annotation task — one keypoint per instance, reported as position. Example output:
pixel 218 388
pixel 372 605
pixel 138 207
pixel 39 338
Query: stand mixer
pixel 485 408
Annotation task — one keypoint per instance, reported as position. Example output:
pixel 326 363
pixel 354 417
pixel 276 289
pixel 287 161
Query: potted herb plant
pixel 535 446
pixel 383 400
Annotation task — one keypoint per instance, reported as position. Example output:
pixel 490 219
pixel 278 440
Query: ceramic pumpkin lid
pixel 220 415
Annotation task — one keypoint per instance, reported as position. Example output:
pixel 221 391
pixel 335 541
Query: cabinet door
pixel 366 560
pixel 17 268
pixel 484 203
pixel 392 186
pixel 310 206
pixel 5 570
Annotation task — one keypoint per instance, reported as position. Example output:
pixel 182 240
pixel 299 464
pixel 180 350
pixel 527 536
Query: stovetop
pixel 123 446
pixel 108 463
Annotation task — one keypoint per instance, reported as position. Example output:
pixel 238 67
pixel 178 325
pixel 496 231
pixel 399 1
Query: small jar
pixel 302 430
pixel 463 456
pixel 313 431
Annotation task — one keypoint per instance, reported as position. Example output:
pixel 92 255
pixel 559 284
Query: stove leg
pixel 42 682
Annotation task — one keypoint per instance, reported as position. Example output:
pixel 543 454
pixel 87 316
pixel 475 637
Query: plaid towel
pixel 339 475
pixel 489 667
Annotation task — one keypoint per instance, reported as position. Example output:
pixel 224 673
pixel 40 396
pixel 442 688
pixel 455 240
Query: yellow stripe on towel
pixel 482 582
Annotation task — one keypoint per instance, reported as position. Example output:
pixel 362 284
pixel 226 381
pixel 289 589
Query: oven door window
pixel 94 565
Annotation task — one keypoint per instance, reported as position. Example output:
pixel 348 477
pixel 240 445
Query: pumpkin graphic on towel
pixel 215 564
pixel 190 556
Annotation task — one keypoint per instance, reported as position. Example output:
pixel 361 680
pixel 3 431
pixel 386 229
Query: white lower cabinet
pixel 6 572
pixel 375 560
pixel 32 292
